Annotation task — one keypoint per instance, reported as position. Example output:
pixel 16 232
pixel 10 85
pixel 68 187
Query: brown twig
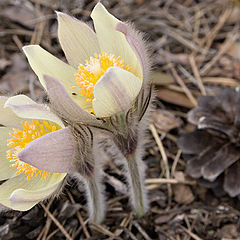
pixel 227 44
pixel 80 219
pixel 184 87
pixel 58 224
pixel 196 74
pixel 168 181
pixel 164 156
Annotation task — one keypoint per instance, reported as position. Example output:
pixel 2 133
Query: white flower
pixel 36 152
pixel 105 72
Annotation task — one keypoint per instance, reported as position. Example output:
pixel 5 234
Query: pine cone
pixel 212 150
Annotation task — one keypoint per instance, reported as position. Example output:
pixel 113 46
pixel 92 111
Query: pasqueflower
pixel 105 87
pixel 104 75
pixel 36 151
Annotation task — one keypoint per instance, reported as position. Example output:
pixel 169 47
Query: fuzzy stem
pixel 136 181
pixel 95 197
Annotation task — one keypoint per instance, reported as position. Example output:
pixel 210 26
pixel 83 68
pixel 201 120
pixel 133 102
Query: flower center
pixel 88 74
pixel 21 138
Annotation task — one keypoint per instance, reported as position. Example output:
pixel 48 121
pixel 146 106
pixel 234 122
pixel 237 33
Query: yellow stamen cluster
pixel 21 138
pixel 88 74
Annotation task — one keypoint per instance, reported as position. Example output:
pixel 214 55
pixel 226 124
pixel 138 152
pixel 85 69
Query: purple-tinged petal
pixel 64 105
pixel 136 42
pixel 42 62
pixel 22 199
pixel 77 39
pixel 21 194
pixel 25 107
pixel 52 152
pixel 115 92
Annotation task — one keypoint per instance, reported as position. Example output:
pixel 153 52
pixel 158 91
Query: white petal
pixel 77 39
pixel 42 62
pixel 5 171
pixel 21 194
pixel 25 107
pixel 52 152
pixel 7 117
pixel 115 92
pixel 113 41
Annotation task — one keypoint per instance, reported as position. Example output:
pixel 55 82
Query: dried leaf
pixel 165 121
pixel 164 218
pixel 183 194
pixel 229 82
pixel 224 158
pixel 174 97
pixel 178 175
pixel 194 142
pixel 232 180
pixel 196 163
pixel 234 50
pixel 228 231
pixel 160 78
pixel 235 15
pixel 213 152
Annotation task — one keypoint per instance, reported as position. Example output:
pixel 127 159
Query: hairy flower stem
pixel 126 139
pixel 95 197
pixel 136 182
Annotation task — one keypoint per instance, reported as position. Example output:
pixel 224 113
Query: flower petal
pixel 64 105
pixel 42 62
pixel 115 91
pixel 25 107
pixel 5 171
pixel 21 194
pixel 136 42
pixel 77 39
pixel 52 152
pixel 7 117
pixel 112 41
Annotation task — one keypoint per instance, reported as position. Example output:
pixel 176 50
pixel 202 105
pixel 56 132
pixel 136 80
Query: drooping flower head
pixel 34 161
